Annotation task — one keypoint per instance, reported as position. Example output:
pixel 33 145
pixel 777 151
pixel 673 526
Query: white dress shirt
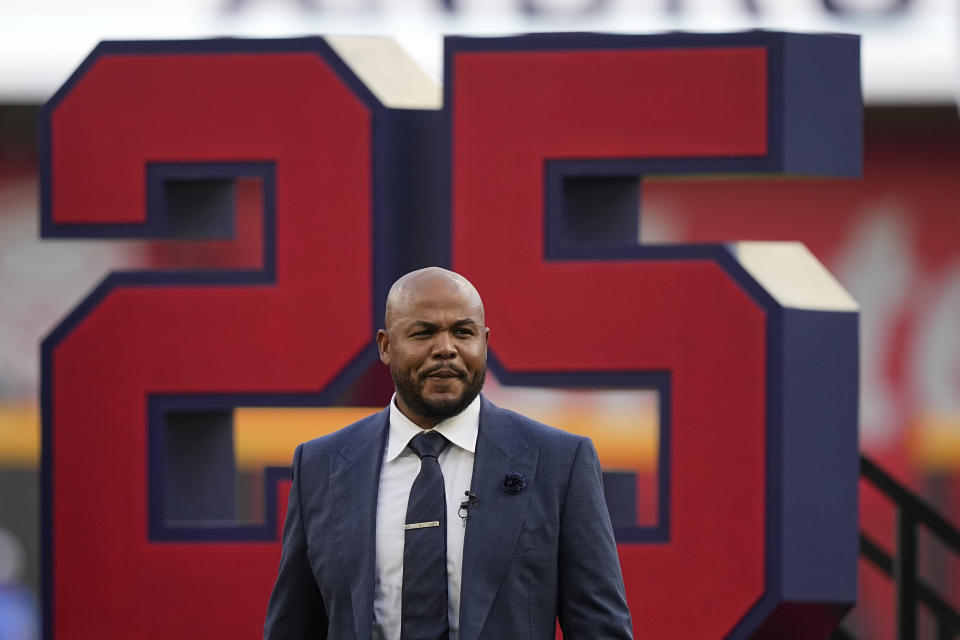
pixel 399 468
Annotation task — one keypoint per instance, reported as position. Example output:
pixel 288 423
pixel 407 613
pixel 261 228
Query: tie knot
pixel 429 443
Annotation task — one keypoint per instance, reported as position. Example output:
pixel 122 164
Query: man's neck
pixel 421 421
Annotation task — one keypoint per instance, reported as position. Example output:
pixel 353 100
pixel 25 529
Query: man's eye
pixel 463 332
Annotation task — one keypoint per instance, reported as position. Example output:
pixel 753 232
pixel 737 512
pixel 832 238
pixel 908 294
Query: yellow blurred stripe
pixel 268 436
pixel 19 435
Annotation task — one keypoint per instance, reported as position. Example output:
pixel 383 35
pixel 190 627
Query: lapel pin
pixel 514 482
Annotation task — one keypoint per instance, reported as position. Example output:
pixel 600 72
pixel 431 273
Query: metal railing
pixel 911 591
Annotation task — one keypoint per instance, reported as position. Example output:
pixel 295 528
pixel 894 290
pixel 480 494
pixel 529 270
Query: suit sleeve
pixel 592 603
pixel 296 607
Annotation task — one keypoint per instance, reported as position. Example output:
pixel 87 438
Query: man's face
pixel 436 347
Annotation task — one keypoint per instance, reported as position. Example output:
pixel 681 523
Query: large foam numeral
pixel 138 129
pixel 534 122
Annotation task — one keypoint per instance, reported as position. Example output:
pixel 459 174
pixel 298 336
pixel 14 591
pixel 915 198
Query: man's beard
pixel 411 394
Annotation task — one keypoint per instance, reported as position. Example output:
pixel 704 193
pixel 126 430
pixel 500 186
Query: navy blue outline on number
pixel 384 272
pixel 799 136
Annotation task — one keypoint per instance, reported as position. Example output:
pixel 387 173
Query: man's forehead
pixel 443 300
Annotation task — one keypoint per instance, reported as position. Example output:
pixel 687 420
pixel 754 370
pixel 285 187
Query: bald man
pixel 444 517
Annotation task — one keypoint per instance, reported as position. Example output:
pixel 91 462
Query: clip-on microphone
pixel 464 510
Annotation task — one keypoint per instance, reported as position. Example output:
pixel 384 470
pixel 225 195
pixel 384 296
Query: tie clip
pixel 422 525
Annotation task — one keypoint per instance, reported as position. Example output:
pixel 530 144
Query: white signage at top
pixel 911 48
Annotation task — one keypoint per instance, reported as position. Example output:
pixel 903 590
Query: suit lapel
pixel 492 527
pixel 355 482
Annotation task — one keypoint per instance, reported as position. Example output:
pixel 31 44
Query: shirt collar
pixel 460 429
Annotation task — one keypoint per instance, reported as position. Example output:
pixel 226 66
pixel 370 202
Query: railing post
pixel 905 575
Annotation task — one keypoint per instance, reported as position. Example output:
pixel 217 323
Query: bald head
pixel 430 283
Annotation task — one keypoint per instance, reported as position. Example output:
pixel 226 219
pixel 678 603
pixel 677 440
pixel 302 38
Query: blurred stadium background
pixel 892 238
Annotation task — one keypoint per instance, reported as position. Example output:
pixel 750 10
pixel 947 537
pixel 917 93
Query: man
pixel 444 516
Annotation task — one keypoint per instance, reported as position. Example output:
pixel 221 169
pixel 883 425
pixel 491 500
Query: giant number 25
pixel 363 178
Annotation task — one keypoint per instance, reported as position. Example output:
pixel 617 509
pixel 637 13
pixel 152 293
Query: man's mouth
pixel 442 372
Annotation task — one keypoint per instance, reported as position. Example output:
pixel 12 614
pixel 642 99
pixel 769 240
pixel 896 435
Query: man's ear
pixel 486 336
pixel 383 344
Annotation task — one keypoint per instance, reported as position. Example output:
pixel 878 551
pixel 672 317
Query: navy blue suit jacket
pixel 529 558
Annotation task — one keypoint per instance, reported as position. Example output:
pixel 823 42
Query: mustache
pixel 443 367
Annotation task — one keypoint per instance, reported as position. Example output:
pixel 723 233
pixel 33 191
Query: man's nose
pixel 443 346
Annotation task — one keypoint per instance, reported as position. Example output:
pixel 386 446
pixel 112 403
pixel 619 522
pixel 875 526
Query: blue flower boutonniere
pixel 514 482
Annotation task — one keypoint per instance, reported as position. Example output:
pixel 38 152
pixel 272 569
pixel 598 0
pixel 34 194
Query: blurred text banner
pixel 911 48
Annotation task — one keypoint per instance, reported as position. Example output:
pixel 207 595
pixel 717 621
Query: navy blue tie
pixel 424 610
